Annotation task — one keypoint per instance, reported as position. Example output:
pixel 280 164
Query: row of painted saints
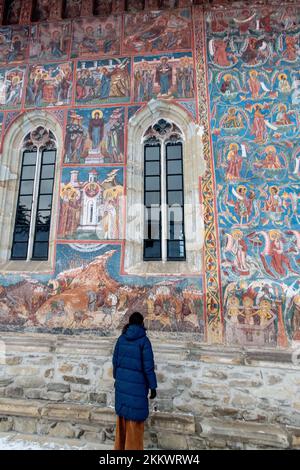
pixel 108 81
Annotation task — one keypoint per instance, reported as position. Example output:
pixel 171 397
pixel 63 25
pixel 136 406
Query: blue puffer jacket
pixel 133 369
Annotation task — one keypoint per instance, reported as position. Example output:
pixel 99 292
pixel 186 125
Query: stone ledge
pixel 90 414
pixel 28 408
pixel 272 436
pixel 66 412
pixel 185 348
pixel 173 422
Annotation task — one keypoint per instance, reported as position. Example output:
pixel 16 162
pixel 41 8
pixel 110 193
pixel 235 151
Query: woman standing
pixel 133 371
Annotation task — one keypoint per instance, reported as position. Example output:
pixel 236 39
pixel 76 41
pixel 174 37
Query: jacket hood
pixel 135 332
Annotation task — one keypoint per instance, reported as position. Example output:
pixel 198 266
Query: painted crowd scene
pixel 235 70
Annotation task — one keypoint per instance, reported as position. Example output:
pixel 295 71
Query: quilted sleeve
pixel 148 364
pixel 115 358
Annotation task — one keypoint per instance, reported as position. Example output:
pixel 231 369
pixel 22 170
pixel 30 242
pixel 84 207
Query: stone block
pixel 76 396
pixel 58 387
pixel 13 407
pixel 171 441
pixel 62 430
pixel 25 425
pixel 13 360
pixel 270 435
pixel 103 416
pixel 52 396
pixel 5 381
pixel 33 394
pixel 29 382
pixel 66 412
pixel 99 398
pixel 173 422
pixel 14 392
pixel 49 373
pixel 76 380
pixel 6 424
pixel 65 368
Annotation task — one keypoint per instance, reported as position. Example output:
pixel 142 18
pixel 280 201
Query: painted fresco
pixel 49 85
pixel 254 93
pixel 1 125
pixel 167 76
pixel 13 44
pixel 50 41
pixel 103 81
pixel 13 11
pixel 96 37
pixel 95 136
pixel 102 7
pixel 11 87
pixel 91 203
pixel 41 10
pixel 87 293
pixel 72 8
pixel 158 31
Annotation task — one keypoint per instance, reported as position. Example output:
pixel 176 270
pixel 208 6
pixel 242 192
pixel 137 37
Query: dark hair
pixel 136 318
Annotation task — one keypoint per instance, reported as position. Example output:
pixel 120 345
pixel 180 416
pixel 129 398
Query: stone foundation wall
pixel 208 397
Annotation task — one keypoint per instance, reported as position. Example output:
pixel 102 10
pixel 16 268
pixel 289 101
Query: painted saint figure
pixel 96 129
pixel 164 76
pixel 259 127
pixel 254 84
pixel 234 163
pixel 271 160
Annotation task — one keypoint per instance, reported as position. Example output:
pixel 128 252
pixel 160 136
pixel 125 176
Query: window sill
pixel 26 266
pixel 158 268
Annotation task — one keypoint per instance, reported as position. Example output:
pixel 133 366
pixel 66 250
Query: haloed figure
pixel 133 370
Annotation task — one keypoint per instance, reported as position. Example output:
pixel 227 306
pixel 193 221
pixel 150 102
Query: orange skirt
pixel 129 435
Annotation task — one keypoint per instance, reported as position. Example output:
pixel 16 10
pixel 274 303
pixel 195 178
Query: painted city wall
pixel 236 74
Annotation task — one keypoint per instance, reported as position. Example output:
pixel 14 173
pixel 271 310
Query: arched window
pixel 29 188
pixel 163 193
pixel 164 222
pixel 34 206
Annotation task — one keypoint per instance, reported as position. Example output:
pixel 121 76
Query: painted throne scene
pixel 91 204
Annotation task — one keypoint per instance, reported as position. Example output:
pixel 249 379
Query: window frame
pixel 10 169
pixel 36 196
pixel 164 221
pixel 194 166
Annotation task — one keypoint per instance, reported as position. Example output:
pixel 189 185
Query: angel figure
pixel 275 257
pixel 237 246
